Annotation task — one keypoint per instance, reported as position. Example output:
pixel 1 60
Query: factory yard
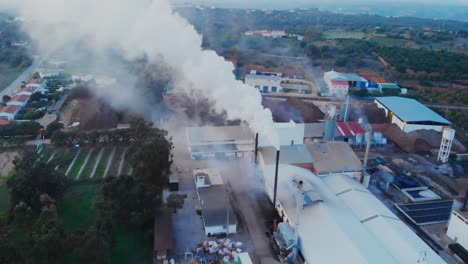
pixel 250 203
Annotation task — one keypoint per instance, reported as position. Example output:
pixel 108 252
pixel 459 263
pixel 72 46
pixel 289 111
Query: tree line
pixel 33 231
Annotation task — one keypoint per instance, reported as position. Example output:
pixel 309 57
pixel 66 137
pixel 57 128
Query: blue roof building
pixel 410 114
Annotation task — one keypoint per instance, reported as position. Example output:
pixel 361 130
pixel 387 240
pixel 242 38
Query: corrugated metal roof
pixel 351 220
pixel 218 135
pixel 295 154
pixel 337 157
pixel 410 110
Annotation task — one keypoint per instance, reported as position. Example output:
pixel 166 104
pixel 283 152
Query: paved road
pixel 18 82
pixel 447 106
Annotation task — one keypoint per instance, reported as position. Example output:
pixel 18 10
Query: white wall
pixel 16 103
pixel 289 134
pixel 220 229
pixel 260 83
pixel 458 230
pixel 8 116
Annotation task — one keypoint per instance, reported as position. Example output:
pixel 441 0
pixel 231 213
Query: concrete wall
pixel 458 229
pixel 220 229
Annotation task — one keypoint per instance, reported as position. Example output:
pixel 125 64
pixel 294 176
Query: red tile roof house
pixel 9 112
pixel 4 122
pixel 27 91
pixel 19 100
pixel 40 84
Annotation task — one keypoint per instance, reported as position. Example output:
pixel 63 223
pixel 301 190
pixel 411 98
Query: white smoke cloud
pixel 146 27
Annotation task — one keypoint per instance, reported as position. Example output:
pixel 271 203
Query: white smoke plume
pixel 149 28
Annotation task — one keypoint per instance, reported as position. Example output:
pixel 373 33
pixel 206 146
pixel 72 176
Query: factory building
pixel 342 222
pixel 334 157
pixel 226 142
pixel 289 134
pixel 458 228
pixel 410 115
pixel 339 84
pixel 264 83
pixel 217 213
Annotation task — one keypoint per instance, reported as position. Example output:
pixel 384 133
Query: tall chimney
pixel 256 149
pixel 276 178
pixel 366 156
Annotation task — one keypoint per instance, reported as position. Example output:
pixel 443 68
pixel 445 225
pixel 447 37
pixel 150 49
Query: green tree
pixel 52 128
pixel 125 199
pixel 32 178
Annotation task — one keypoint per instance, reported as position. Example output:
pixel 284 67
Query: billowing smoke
pixel 150 28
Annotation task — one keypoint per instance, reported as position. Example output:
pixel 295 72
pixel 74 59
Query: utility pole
pixel 227 213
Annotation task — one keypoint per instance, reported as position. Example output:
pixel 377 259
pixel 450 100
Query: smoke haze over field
pixel 137 28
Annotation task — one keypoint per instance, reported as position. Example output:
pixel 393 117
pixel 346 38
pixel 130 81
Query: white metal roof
pixel 219 135
pixel 351 225
pixel 410 110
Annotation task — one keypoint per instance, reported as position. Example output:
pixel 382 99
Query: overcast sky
pixel 317 2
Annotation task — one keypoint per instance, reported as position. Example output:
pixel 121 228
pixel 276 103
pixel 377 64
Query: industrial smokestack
pixel 329 130
pixel 365 179
pixel 256 149
pixel 276 178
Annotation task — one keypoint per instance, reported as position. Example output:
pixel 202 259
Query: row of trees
pixel 125 201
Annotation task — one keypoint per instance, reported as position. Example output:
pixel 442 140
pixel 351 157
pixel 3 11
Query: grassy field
pixel 90 165
pixel 103 163
pixel 78 163
pixel 8 75
pixel 64 158
pixel 46 152
pixel 4 199
pixel 392 42
pixel 76 207
pixel 343 35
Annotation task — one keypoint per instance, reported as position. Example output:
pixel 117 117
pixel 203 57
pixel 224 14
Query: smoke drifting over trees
pixel 149 28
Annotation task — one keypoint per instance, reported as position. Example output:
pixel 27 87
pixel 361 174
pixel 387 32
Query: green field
pixel 78 163
pixel 392 42
pixel 76 207
pixel 64 158
pixel 46 152
pixel 8 75
pixel 90 165
pixel 4 199
pixel 103 163
pixel 343 35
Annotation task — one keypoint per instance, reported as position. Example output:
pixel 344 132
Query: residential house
pixel 40 84
pixel 19 100
pixel 27 91
pixel 9 112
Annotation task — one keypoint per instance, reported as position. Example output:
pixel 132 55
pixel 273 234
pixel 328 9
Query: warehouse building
pixel 346 224
pixel 264 83
pixel 458 228
pixel 226 142
pixel 217 213
pixel 410 115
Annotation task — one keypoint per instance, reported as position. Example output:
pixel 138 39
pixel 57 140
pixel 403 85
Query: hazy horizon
pixel 431 9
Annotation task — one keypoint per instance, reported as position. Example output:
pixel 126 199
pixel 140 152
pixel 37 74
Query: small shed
pixel 174 183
